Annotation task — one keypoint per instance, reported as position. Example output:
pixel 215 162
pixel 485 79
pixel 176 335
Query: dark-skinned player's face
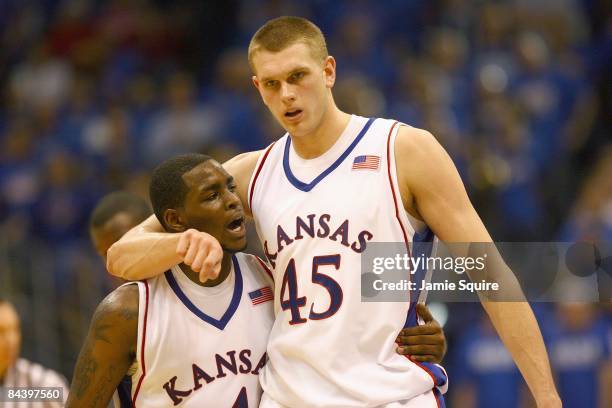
pixel 212 205
pixel 104 236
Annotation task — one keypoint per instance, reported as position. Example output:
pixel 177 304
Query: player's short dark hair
pixel 167 188
pixel 119 202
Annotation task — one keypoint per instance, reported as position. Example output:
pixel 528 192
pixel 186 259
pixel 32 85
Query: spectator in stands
pixel 580 355
pixel 485 374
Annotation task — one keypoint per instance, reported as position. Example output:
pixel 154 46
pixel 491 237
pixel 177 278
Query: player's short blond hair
pixel 282 32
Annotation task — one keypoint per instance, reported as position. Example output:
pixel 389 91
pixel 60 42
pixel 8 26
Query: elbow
pixel 113 261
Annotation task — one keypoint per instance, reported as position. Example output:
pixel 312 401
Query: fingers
pixel 183 244
pixel 431 354
pixel 198 261
pixel 419 350
pixel 423 352
pixel 211 264
pixel 426 359
pixel 192 251
pixel 417 340
pixel 202 252
pixel 429 328
pixel 424 313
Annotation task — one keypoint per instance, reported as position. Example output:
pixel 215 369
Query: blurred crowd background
pixel 94 94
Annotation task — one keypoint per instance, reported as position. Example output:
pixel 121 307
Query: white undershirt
pixel 212 300
pixel 307 170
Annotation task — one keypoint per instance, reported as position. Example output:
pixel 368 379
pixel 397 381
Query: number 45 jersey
pixel 315 218
pixel 203 346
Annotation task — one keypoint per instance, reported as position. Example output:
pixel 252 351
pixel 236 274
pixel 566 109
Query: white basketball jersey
pixel 315 218
pixel 203 346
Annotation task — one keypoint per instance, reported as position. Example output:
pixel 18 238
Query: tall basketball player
pixel 319 195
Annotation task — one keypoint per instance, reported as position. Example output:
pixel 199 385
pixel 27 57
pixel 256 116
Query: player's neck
pixel 324 137
pixel 226 267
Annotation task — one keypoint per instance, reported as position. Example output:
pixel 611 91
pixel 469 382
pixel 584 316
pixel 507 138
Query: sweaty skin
pixel 430 187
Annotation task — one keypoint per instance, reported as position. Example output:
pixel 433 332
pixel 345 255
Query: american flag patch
pixel 367 162
pixel 261 295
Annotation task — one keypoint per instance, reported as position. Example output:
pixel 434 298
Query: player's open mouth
pixel 236 225
pixel 293 114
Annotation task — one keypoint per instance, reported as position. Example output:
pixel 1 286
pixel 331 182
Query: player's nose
pixel 287 93
pixel 232 201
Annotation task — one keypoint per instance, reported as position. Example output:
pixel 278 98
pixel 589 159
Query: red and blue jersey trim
pixel 306 187
pixel 218 323
pixel 422 243
pixel 142 346
pixel 261 164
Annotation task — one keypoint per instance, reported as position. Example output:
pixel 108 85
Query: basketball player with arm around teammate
pixel 110 345
pixel 319 195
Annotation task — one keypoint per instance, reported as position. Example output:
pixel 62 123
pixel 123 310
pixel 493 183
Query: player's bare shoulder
pixel 418 156
pixel 413 146
pixel 121 308
pixel 119 311
pixel 241 167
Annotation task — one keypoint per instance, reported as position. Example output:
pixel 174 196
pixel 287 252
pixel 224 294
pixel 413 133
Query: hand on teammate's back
pixel 425 343
pixel 202 252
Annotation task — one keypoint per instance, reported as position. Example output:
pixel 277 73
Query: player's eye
pixel 270 84
pixel 232 187
pixel 297 75
pixel 211 196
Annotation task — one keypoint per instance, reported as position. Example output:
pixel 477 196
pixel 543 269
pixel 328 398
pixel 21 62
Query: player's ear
pixel 173 220
pixel 329 67
pixel 257 85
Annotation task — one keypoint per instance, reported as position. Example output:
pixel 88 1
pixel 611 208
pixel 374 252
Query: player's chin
pixel 235 245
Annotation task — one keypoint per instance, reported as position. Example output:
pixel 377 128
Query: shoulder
pixel 125 297
pixel 418 155
pixel 241 167
pixel 416 143
pixel 119 309
pixel 422 164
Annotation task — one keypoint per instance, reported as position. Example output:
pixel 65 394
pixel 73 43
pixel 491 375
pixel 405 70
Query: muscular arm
pixel 432 191
pixel 108 351
pixel 146 250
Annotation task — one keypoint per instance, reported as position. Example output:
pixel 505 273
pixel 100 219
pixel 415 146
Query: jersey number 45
pixel 295 302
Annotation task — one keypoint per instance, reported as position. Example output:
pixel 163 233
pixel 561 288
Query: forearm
pixel 143 255
pixel 99 392
pixel 518 329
